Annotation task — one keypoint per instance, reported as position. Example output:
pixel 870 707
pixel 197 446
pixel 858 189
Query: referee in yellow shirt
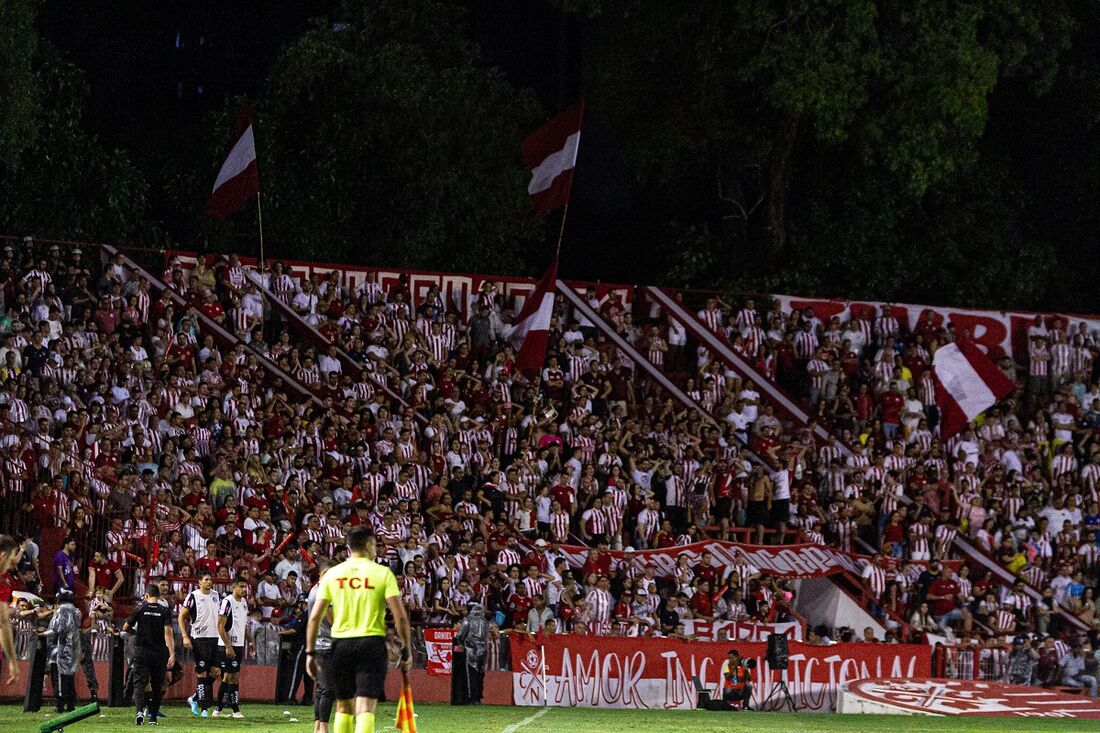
pixel 359 590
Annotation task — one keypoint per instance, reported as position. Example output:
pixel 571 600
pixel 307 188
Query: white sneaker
pixel 238 714
pixel 216 713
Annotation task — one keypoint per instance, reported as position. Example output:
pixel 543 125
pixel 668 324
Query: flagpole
pixel 260 216
pixel 561 232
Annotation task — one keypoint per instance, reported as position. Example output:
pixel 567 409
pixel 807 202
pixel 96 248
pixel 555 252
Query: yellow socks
pixel 344 723
pixel 364 723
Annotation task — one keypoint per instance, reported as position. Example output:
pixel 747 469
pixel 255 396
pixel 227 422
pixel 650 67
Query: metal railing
pixel 956 662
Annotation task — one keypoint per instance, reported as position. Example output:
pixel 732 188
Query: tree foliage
pixel 386 138
pixel 57 180
pixel 838 146
pixel 19 99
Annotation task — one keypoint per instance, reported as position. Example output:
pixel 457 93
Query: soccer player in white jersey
pixel 232 645
pixel 198 621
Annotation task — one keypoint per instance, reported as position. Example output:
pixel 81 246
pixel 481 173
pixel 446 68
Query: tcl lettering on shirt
pixel 354 583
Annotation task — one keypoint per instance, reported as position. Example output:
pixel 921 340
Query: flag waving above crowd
pixel 238 180
pixel 967 384
pixel 551 154
pixel 532 326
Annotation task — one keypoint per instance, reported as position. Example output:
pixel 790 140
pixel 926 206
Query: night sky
pixel 154 69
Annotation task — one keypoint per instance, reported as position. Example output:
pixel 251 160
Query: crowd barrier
pixel 658 673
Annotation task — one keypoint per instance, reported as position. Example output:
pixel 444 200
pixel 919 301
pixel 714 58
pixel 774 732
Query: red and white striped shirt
pixel 1062 464
pixel 595 521
pixel 886 327
pixel 559 526
pixel 508 557
pixel 1038 358
pixel 712 319
pixel 1062 358
pixel 876 579
pixel 805 344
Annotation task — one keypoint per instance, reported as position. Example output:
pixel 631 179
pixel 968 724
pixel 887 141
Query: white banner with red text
pixel 458 290
pixel 740 630
pixel 655 673
pixel 437 648
pixel 998 332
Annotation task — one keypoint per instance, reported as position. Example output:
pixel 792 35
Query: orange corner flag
pixel 406 719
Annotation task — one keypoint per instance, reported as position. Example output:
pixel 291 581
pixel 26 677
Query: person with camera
pixel 737 681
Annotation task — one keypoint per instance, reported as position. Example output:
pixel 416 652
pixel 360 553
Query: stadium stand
pixel 210 416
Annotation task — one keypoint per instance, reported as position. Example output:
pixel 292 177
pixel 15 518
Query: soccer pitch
pixel 490 719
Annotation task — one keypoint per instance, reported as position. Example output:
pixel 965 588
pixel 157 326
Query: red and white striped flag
pixel 531 329
pixel 967 384
pixel 239 178
pixel 551 153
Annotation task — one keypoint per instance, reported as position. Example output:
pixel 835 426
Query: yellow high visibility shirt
pixel 357 589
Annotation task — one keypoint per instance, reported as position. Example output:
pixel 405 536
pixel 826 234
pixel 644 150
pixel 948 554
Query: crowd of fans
pixel 157 451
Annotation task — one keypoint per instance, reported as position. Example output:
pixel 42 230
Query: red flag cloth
pixel 238 180
pixel 551 153
pixel 967 384
pixel 406 716
pixel 531 329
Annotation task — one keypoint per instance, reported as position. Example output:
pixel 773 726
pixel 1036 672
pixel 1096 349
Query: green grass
pixel 488 719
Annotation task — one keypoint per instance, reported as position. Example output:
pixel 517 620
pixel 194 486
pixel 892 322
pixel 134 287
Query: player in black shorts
pixel 198 622
pixel 232 644
pixel 154 653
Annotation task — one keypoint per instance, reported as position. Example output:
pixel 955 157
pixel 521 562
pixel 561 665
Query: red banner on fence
pixel 785 561
pixel 804 560
pixel 612 672
pixel 437 646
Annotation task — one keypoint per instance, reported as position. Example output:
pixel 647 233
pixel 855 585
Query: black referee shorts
pixel 206 654
pixel 358 667
pixel 148 666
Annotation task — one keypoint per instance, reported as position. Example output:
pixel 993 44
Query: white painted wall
pixel 821 601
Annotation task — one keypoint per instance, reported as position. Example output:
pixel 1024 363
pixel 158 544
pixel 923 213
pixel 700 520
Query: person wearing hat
pixel 1021 661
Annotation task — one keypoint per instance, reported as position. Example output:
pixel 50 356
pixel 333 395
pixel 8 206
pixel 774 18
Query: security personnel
pixel 154 653
pixel 359 590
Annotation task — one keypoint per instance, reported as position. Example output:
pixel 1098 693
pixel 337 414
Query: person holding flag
pixel 359 591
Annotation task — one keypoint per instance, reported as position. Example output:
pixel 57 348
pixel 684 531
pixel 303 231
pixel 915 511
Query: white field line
pixel 526 721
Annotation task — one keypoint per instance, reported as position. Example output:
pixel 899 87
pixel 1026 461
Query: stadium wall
pixel 821 601
pixel 258 683
pixel 656 673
